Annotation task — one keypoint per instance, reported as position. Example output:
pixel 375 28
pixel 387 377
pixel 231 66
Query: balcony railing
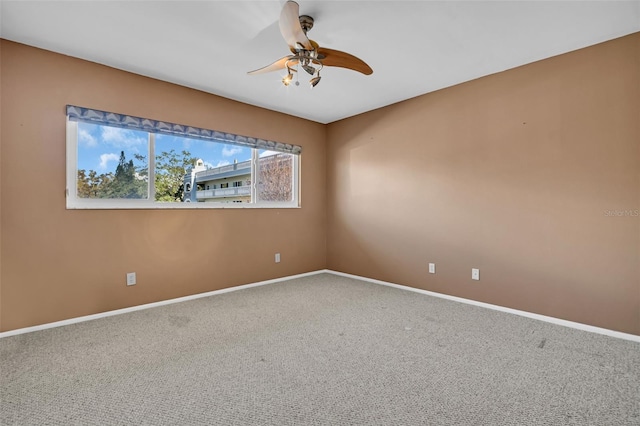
pixel 223 192
pixel 225 169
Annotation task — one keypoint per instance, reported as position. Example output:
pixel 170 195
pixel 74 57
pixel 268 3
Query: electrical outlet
pixel 131 278
pixel 432 268
pixel 277 257
pixel 475 274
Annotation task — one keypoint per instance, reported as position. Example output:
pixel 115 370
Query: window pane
pixel 174 157
pixel 275 176
pixel 112 162
pixel 192 170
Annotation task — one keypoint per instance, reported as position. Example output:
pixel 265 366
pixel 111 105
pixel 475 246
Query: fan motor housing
pixel 306 22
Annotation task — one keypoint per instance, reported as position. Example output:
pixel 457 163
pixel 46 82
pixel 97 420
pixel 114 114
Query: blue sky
pixel 99 148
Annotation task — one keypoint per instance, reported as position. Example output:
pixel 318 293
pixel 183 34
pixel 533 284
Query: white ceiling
pixel 414 47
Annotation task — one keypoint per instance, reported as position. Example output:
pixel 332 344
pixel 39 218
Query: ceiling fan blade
pixel 277 65
pixel 336 58
pixel 290 27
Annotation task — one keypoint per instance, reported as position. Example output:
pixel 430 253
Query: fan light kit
pixel 307 54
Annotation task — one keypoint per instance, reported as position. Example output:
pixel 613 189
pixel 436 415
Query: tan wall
pixel 511 174
pixel 59 263
pixel 1 45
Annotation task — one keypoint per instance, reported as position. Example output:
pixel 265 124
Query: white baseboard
pixel 151 305
pixel 558 321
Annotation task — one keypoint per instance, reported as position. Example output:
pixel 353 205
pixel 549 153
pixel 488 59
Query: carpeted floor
pixel 320 350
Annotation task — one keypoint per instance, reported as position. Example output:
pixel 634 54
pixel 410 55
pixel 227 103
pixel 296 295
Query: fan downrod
pixel 306 22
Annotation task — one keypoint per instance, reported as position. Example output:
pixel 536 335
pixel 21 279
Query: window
pixel 274 172
pixel 118 161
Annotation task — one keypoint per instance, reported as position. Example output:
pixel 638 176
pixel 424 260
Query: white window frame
pixel 75 202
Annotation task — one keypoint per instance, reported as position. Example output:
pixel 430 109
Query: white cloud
pixel 267 153
pixel 121 138
pixel 141 177
pixel 86 138
pixel 228 151
pixel 105 158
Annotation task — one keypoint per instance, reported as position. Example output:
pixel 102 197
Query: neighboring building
pixel 232 183
pixel 226 184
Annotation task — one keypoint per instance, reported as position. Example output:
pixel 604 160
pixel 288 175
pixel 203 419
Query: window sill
pixel 146 205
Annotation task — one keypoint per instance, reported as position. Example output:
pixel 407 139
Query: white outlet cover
pixel 277 257
pixel 475 274
pixel 432 268
pixel 131 278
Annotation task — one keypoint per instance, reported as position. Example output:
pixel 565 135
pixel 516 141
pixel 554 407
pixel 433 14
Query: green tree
pixel 130 181
pixel 84 191
pixel 100 184
pixel 92 185
pixel 170 169
pixel 126 183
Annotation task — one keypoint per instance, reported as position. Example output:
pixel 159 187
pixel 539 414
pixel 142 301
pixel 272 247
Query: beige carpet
pixel 320 350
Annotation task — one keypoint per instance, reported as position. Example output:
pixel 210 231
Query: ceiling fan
pixel 306 53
